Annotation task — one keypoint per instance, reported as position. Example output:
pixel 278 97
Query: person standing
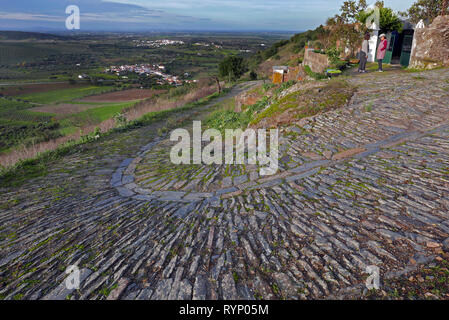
pixel 382 50
pixel 364 53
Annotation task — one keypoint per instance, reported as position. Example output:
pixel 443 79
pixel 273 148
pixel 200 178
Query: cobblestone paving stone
pixel 364 185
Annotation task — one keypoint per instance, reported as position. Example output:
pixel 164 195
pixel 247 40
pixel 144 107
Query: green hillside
pixel 285 52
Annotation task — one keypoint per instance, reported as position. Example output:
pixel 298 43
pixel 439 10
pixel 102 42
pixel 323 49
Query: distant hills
pixel 20 35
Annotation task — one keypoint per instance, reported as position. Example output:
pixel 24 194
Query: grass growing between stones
pixel 429 282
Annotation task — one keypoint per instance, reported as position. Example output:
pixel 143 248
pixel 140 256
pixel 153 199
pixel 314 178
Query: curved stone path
pixel 364 185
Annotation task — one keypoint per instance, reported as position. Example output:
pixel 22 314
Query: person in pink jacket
pixel 382 50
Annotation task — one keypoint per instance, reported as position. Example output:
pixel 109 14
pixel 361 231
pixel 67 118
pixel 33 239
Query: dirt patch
pixel 123 96
pixel 248 98
pixel 348 153
pixel 312 155
pixel 64 108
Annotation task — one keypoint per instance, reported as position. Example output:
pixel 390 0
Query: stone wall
pixel 431 45
pixel 247 98
pixel 316 61
pixel 295 73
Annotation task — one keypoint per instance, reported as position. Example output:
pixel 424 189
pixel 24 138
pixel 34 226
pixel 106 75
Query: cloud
pixel 257 14
pixel 179 14
pixel 30 17
pixel 95 15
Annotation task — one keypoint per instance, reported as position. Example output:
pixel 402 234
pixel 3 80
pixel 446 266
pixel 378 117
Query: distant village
pixel 156 70
pixel 148 70
pixel 167 42
pixel 205 44
pixel 157 43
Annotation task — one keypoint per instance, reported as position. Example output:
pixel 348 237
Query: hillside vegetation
pixel 282 105
pixel 285 52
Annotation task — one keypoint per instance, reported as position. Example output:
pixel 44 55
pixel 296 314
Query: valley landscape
pixel 53 86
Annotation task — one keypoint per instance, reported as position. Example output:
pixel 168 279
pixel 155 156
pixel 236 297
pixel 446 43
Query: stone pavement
pixel 364 185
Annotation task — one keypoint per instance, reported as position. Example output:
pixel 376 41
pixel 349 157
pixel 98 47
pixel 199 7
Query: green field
pixel 18 53
pixel 57 96
pixel 20 126
pixel 93 116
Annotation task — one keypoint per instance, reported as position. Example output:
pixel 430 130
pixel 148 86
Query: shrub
pixel 340 64
pixel 268 86
pixel 316 76
pixel 334 55
pixel 297 47
pixel 120 119
pixel 295 62
pixel 253 75
pixel 232 68
pixel 229 119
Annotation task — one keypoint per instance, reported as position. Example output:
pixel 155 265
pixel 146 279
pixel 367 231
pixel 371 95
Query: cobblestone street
pixel 367 184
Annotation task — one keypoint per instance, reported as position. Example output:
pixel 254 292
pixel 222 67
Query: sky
pixel 174 15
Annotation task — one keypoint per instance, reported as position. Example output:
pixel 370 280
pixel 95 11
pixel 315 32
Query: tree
pixel 389 20
pixel 93 81
pixel 351 9
pixel 232 68
pixel 345 27
pixel 426 10
pixel 253 75
pixel 218 84
pixel 323 35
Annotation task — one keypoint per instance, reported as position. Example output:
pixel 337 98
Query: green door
pixel 406 50
pixel 389 53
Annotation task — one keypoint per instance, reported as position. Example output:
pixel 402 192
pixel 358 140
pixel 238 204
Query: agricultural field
pixel 16 90
pixel 56 96
pixel 34 117
pixel 20 125
pixel 132 94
